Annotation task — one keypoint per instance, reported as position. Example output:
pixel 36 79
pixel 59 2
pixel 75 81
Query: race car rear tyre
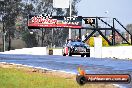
pixel 64 54
pixel 82 55
pixel 69 52
pixel 88 55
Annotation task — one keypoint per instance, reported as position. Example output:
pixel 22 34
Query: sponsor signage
pixel 90 21
pixel 103 78
pixel 35 21
pixel 82 77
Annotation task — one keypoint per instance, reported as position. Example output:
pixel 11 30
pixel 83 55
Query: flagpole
pixel 70 2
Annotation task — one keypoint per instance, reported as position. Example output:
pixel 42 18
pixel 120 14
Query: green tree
pixel 129 28
pixel 30 39
pixel 9 10
pixel 15 9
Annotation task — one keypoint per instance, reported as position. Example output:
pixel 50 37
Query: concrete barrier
pixel 40 51
pixel 30 51
pixel 121 52
pixel 57 51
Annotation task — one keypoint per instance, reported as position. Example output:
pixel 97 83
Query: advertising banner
pixel 35 21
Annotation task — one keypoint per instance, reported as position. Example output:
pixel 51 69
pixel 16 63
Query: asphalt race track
pixel 70 64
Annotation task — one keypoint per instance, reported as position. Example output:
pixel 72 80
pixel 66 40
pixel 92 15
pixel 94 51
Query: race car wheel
pixel 82 55
pixel 64 54
pixel 88 55
pixel 69 52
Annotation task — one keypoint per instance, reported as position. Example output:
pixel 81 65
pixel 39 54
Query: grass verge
pixel 12 77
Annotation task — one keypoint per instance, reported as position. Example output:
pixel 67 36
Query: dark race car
pixel 76 47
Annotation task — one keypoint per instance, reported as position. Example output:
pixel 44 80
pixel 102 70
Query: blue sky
pixel 120 9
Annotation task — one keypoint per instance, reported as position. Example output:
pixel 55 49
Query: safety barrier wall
pixel 31 51
pixel 122 52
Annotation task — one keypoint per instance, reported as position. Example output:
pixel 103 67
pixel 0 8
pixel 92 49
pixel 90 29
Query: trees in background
pixel 30 39
pixel 129 28
pixel 9 10
pixel 15 18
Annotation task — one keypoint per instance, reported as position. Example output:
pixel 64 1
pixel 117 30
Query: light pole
pixel 42 41
pixel 52 38
pixel 106 12
pixel 70 1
